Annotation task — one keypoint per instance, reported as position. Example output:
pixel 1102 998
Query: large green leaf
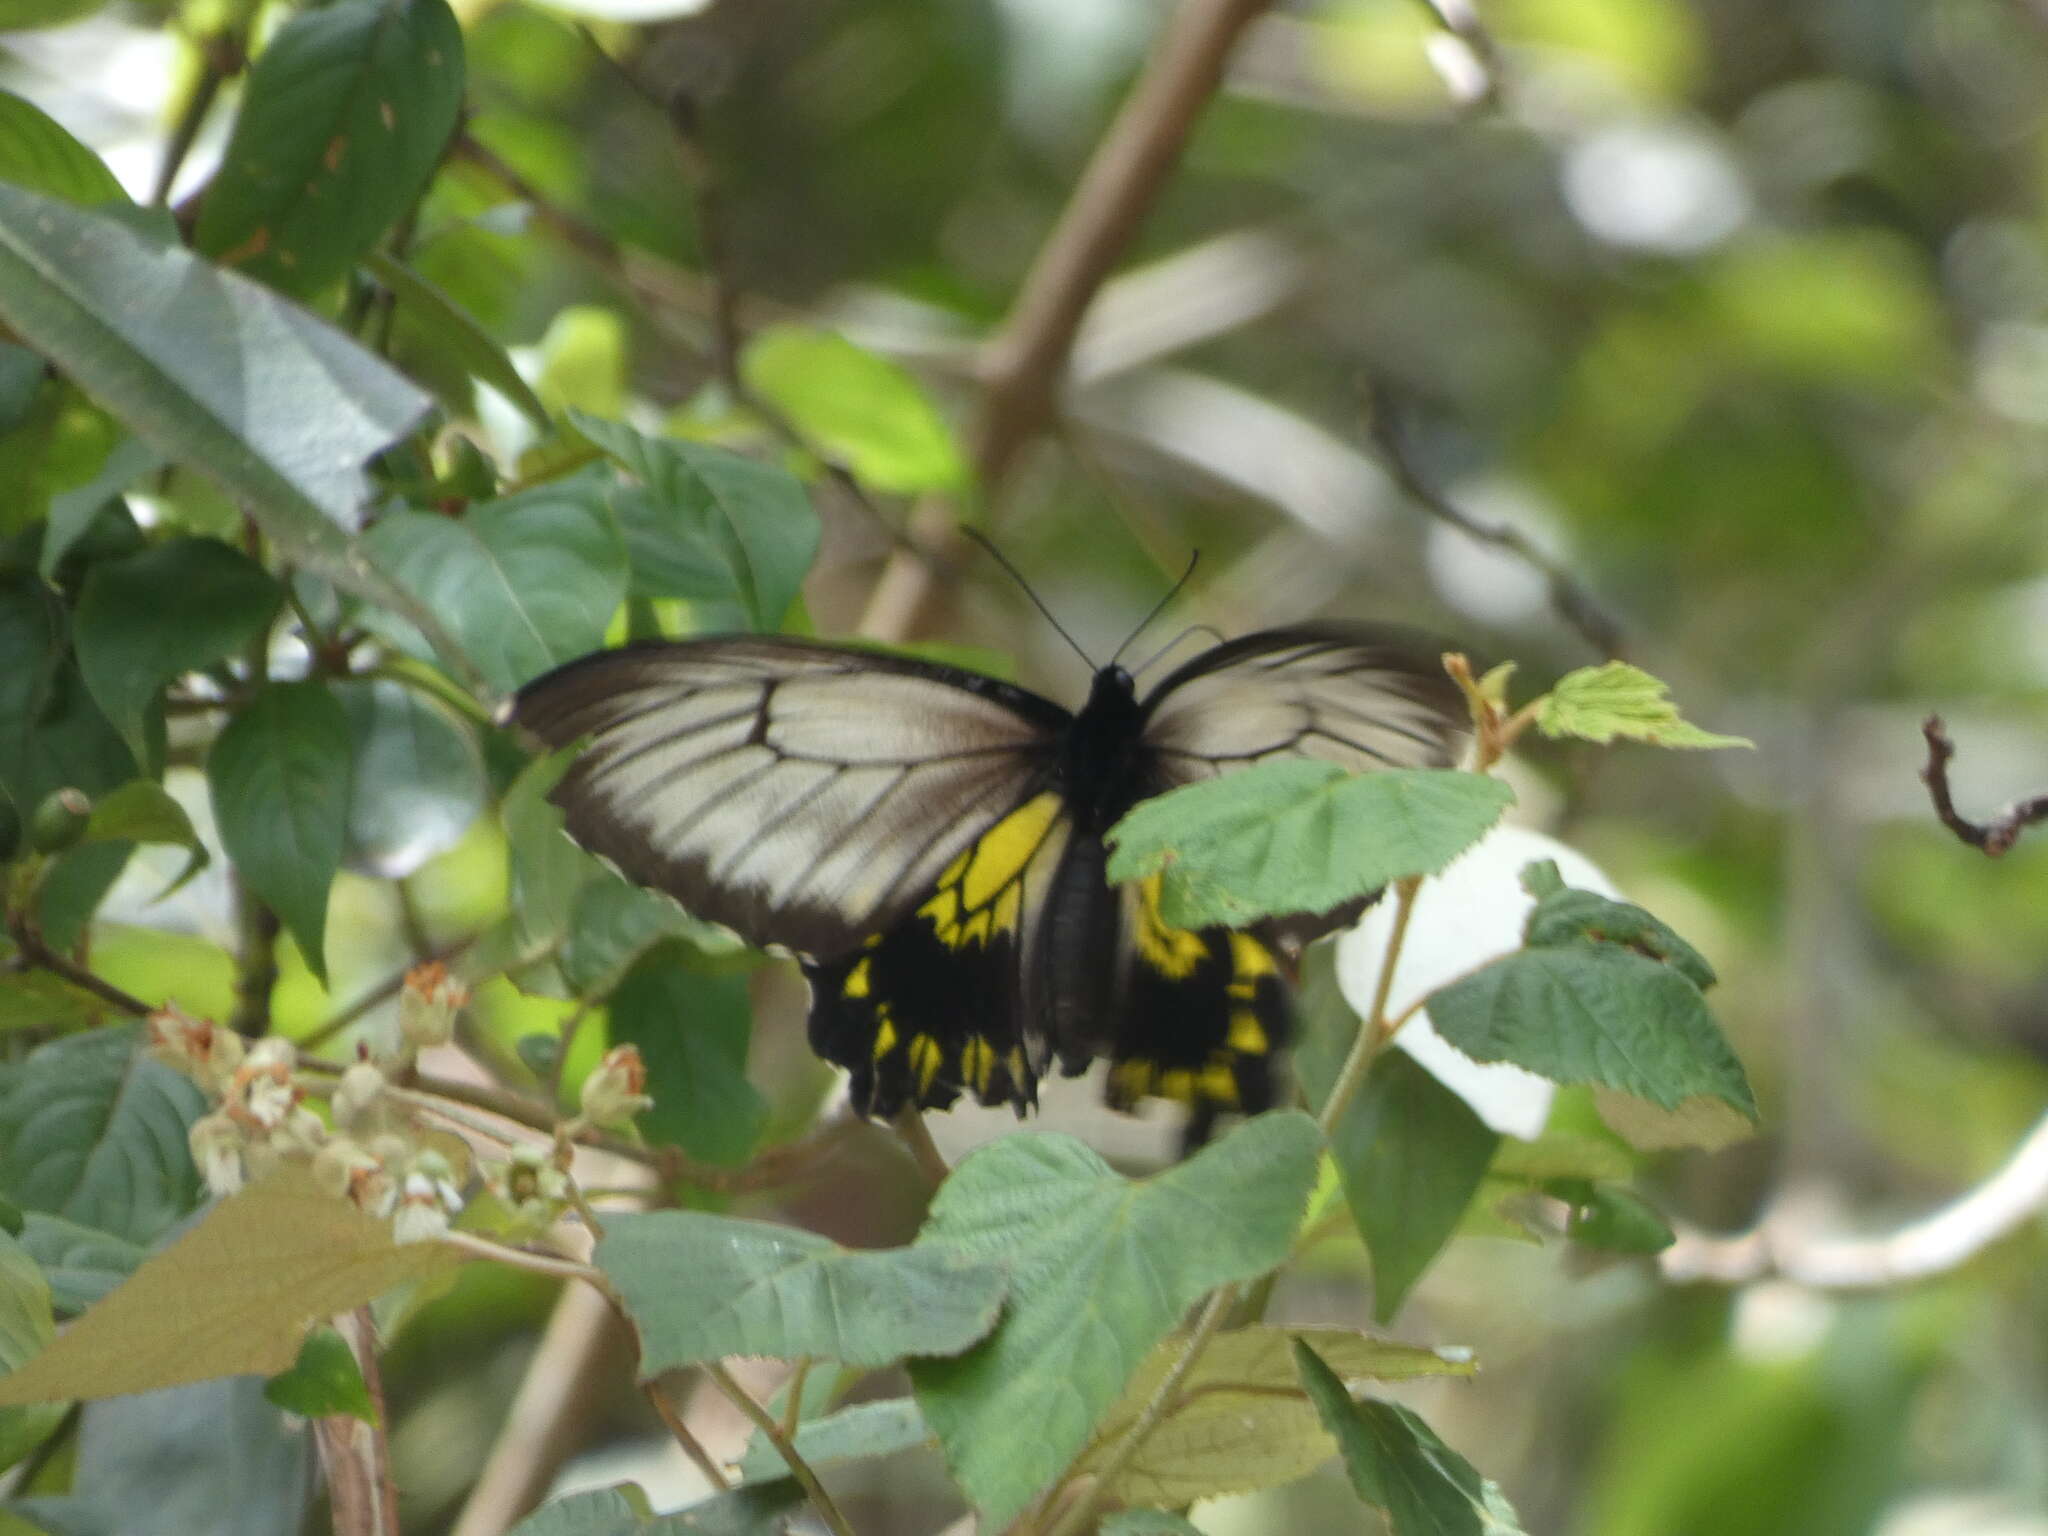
pixel 1243 1422
pixel 26 1329
pixel 446 326
pixel 164 611
pixel 279 777
pixel 856 407
pixel 417 780
pixel 39 153
pixel 700 1287
pixel 523 584
pixel 1101 1267
pixel 213 371
pixel 1397 1464
pixel 343 119
pixel 858 1433
pixel 81 1263
pixel 93 1131
pixel 1298 836
pixel 733 528
pixel 1588 1012
pixel 692 1030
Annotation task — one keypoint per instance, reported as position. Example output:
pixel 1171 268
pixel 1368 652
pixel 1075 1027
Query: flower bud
pixel 424 1206
pixel 357 1094
pixel 428 1005
pixel 218 1145
pixel 199 1048
pixel 59 822
pixel 617 1090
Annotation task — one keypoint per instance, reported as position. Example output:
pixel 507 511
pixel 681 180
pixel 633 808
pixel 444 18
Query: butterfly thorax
pixel 1101 758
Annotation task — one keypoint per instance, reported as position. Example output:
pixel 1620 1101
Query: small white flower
pixel 1464 917
pixel 357 1093
pixel 217 1148
pixel 424 1207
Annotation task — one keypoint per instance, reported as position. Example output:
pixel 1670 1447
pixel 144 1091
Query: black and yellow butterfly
pixel 929 841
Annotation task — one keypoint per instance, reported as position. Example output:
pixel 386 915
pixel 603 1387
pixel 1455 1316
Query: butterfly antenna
pixel 1159 607
pixel 1193 629
pixel 1018 576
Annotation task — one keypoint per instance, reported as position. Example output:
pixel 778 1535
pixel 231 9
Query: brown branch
pixel 33 954
pixel 1023 364
pixel 1992 837
pixel 1574 604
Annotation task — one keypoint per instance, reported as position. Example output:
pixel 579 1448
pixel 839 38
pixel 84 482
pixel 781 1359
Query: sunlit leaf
pixel 39 153
pixel 856 407
pixel 1616 699
pixel 325 1379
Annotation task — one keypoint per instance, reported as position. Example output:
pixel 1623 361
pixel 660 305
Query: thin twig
pixel 1374 1030
pixel 1992 837
pixel 917 1136
pixel 553 1266
pixel 691 1446
pixel 33 954
pixel 1574 604
pixel 785 1447
pixel 1783 1244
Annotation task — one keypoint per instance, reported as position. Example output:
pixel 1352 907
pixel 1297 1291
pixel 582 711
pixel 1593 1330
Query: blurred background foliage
pixel 1737 309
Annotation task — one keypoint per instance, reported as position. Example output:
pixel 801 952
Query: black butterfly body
pixel 929 841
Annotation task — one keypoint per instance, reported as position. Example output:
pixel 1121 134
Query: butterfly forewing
pixel 804 795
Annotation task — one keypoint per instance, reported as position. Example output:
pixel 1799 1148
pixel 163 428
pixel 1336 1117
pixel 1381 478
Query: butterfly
pixel 928 841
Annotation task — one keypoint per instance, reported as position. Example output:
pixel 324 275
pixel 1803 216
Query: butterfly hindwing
pixel 933 1005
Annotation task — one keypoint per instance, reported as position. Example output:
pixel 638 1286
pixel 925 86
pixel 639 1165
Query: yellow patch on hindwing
pixel 885 1032
pixel 1247 1034
pixel 1173 952
pixel 980 896
pixel 926 1057
pixel 977 1061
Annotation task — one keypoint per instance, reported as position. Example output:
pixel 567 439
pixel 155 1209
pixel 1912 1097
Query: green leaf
pixel 416 781
pixel 1605 1216
pixel 279 777
pixel 1243 1422
pixel 162 612
pixel 39 153
pixel 93 1131
pixel 1148 1522
pixel 1397 1464
pixel 244 1284
pixel 693 1031
pixel 859 1433
pixel 449 328
pixel 615 923
pixel 740 530
pixel 1411 1154
pixel 1594 1013
pixel 1563 915
pixel 1102 1267
pixel 1298 836
pixel 143 811
pixel 760 1510
pixel 81 1263
pixel 1616 699
pixel 546 871
pixel 169 345
pixel 856 407
pixel 343 118
pixel 37 1000
pixel 52 734
pixel 26 1329
pixel 1697 1122
pixel 523 584
pixel 324 1380
pixel 700 1287
pixel 72 512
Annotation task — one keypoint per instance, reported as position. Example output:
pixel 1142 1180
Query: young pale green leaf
pixel 859 1433
pixel 1616 699
pixel 747 524
pixel 216 373
pixel 324 1380
pixel 1594 1013
pixel 81 1263
pixel 164 611
pixel 693 1031
pixel 94 1132
pixel 700 1287
pixel 523 584
pixel 855 407
pixel 1298 836
pixel 143 811
pixel 26 1329
pixel 1244 1423
pixel 453 330
pixel 1396 1463
pixel 1102 1267
pixel 244 1284
pixel 416 783
pixel 1563 915
pixel 343 118
pixel 39 153
pixel 279 778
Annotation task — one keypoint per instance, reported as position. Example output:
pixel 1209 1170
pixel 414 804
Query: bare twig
pixel 1993 837
pixel 1574 604
pixel 1023 364
pixel 764 1421
pixel 1784 1243
pixel 685 1437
